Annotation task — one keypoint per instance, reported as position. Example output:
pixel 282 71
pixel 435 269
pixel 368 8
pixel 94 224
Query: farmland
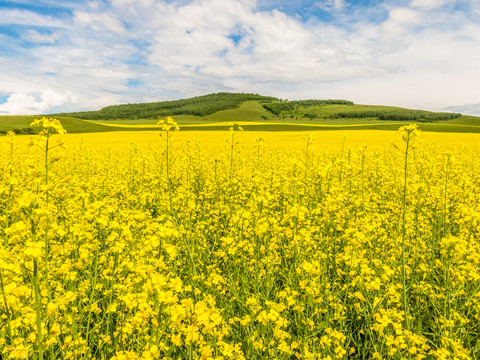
pixel 217 112
pixel 236 244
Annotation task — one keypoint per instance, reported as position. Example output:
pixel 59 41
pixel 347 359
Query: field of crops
pixel 240 245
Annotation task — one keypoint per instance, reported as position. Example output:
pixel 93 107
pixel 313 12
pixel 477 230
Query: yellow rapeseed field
pixel 239 245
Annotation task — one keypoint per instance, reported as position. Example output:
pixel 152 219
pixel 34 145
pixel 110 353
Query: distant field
pixel 85 126
pixel 253 117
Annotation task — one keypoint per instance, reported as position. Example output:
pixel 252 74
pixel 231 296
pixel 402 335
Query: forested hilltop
pixel 198 106
pixel 273 108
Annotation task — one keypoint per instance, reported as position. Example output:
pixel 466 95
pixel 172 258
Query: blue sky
pixel 83 55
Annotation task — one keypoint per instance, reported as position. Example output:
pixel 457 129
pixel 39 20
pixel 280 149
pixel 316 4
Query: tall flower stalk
pixel 48 127
pixel 168 126
pixel 11 141
pixel 409 134
pixel 232 130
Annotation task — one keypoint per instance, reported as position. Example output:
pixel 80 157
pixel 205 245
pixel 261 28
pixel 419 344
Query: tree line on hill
pixel 199 106
pixel 397 115
pixel 278 107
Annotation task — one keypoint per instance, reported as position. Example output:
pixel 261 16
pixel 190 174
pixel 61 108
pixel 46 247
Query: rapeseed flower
pixel 294 258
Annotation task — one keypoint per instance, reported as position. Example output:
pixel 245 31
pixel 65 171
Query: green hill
pixel 197 106
pixel 255 112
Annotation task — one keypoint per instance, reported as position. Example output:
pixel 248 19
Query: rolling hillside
pixel 254 112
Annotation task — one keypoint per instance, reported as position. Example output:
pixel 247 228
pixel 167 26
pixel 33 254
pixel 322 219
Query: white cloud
pixel 121 3
pixel 24 104
pixel 34 36
pixel 25 17
pixel 404 16
pixel 400 20
pixel 331 5
pixel 339 4
pixel 430 4
pixel 99 21
pixel 271 45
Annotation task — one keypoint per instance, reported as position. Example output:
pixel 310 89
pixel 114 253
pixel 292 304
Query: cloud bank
pixel 67 56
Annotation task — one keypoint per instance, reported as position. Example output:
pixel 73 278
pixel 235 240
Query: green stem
pixel 306 168
pixel 46 161
pixel 90 302
pixel 363 182
pixel 231 155
pixel 9 328
pixel 446 304
pixel 445 198
pixel 404 222
pixel 38 310
pixel 172 212
pixel 11 156
pixel 47 243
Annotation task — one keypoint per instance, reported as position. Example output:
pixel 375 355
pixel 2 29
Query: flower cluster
pixel 168 124
pixel 48 126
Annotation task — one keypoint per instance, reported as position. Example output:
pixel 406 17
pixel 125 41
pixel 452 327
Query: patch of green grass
pixel 464 120
pixel 71 125
pixel 248 111
pixel 8 123
pixel 450 128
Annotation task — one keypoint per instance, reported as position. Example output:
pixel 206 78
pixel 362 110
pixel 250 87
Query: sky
pixel 67 55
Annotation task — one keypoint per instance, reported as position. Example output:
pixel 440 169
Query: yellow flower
pixel 34 249
pixel 409 132
pixel 176 339
pixel 48 126
pixel 20 352
pixel 168 124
